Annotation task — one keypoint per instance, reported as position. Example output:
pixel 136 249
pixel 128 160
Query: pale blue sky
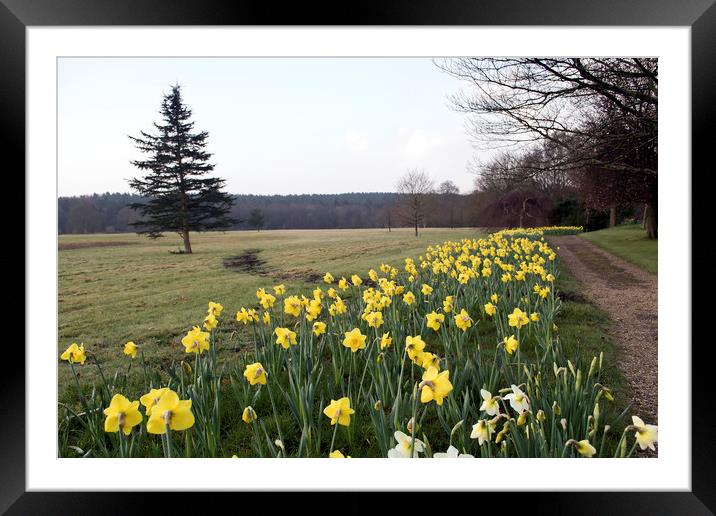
pixel 276 125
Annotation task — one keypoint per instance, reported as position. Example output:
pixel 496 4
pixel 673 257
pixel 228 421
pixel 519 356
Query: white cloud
pixel 355 141
pixel 419 142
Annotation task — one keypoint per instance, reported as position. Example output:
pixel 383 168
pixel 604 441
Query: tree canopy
pixel 181 197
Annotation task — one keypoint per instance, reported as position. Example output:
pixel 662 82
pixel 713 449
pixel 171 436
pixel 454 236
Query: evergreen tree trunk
pixel 187 243
pixel 612 216
pixel 643 217
pixel 416 228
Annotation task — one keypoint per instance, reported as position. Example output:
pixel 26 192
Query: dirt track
pixel 629 295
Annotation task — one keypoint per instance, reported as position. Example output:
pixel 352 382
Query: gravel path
pixel 629 295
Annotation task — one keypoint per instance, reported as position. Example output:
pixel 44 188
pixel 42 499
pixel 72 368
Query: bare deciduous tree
pixel 448 192
pixel 593 113
pixel 416 187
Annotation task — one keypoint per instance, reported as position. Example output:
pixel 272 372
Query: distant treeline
pixel 109 213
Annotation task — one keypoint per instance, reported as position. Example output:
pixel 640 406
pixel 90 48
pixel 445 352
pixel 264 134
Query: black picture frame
pixel 700 15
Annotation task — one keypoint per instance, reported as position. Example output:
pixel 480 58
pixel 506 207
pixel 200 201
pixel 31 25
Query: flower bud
pixel 540 415
pixel 592 366
pixel 563 422
pixel 456 427
pixel 410 425
pixel 522 419
pixel 571 368
pixel 555 408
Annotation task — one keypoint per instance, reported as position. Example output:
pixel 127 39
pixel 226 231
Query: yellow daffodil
pixel 121 413
pixel 130 349
pixel 319 328
pixel 285 337
pixel 255 373
pixel 150 399
pixel 215 309
pixel 409 298
pixel 170 412
pixel 266 318
pixel 343 284
pixel 490 309
pixel 74 354
pixel 414 347
pixel 313 310
pixel 249 415
pixel 534 317
pixel 196 341
pixel 279 289
pixel 340 306
pixel 448 304
pixel 511 344
pixel 354 340
pixel 435 386
pixel 328 278
pixel 426 289
pixel 386 341
pixel 428 360
pixel 355 279
pixel 374 319
pixel 242 316
pixel 494 298
pixel 292 305
pixel 434 320
pixel 267 301
pixel 210 322
pixel 339 411
pixel 463 320
pixel 518 318
pixel 337 455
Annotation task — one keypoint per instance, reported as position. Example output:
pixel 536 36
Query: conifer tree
pixel 181 196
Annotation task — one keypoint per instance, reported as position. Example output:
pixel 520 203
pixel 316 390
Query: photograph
pixel 444 256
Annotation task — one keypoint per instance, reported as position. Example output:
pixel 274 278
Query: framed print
pixel 407 230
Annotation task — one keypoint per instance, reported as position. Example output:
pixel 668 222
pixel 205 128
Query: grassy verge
pixel 628 242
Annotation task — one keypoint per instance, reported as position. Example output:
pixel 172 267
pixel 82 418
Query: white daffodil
pixel 585 449
pixel 518 400
pixel 481 431
pixel 452 453
pixel 489 404
pixel 646 435
pixel 402 450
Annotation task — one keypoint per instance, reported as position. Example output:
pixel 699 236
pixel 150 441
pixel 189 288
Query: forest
pixel 110 213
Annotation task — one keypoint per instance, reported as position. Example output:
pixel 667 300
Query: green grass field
pixel 628 242
pixel 120 287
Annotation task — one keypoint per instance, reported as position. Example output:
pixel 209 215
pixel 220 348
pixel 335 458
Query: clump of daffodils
pixel 345 344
